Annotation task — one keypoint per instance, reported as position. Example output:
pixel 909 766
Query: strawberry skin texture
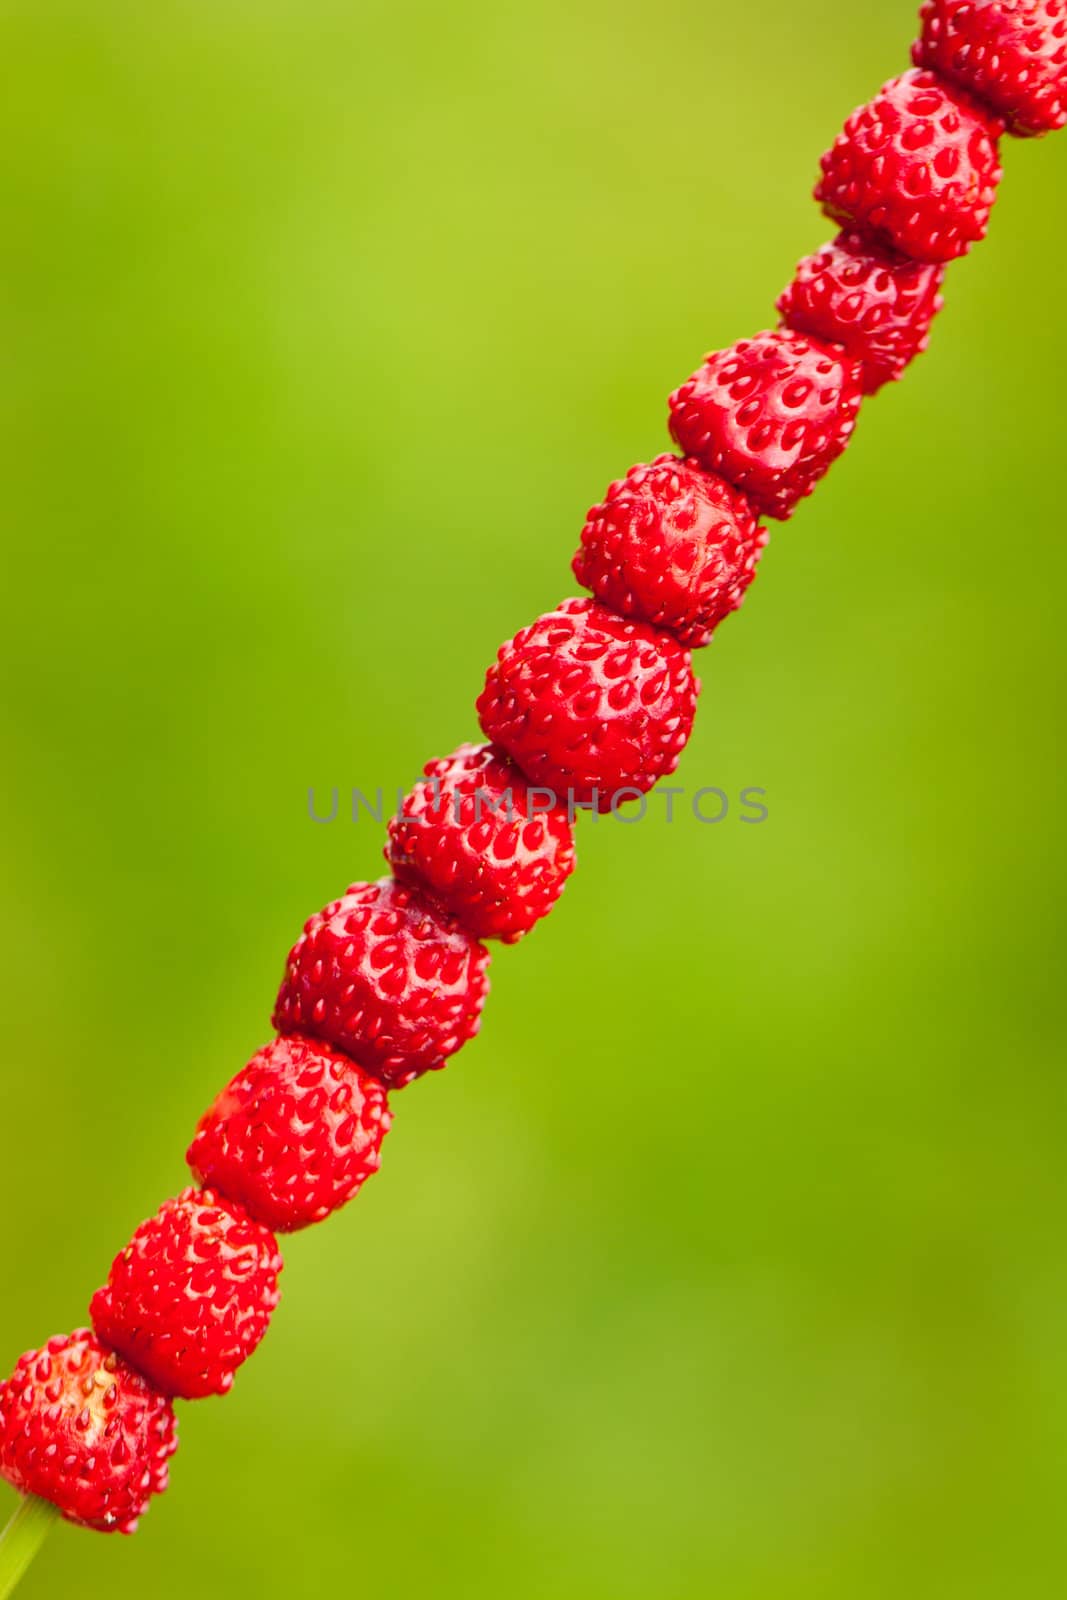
pixel 191 1296
pixel 294 1135
pixel 770 415
pixel 386 977
pixel 589 704
pixel 918 166
pixel 81 1428
pixel 475 841
pixel 673 546
pixel 1010 53
pixel 875 302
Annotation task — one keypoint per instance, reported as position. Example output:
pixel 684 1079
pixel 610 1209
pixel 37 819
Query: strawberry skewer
pixel 590 704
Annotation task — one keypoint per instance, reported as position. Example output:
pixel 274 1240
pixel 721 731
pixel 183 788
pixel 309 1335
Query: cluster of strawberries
pixel 592 703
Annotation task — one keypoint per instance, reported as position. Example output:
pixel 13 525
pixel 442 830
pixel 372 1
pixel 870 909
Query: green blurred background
pixel 730 1259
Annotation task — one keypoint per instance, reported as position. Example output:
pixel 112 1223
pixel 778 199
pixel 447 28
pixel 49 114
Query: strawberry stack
pixel 587 707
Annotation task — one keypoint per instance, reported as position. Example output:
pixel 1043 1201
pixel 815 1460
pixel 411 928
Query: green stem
pixel 21 1540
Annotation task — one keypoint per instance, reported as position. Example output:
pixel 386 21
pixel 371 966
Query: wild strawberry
pixel 81 1428
pixel 1010 53
pixel 191 1296
pixel 876 303
pixel 592 706
pixel 917 166
pixel 294 1135
pixel 770 414
pixel 480 844
pixel 671 545
pixel 386 977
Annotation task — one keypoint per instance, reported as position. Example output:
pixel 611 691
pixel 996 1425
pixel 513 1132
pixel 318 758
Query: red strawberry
pixel 1010 53
pixel 84 1430
pixel 384 976
pixel 294 1135
pixel 480 844
pixel 917 166
pixel 875 302
pixel 191 1295
pixel 771 415
pixel 590 705
pixel 671 545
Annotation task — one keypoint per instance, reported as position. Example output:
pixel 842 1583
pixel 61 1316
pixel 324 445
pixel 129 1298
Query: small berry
pixel 770 414
pixel 386 977
pixel 876 303
pixel 1010 53
pixel 592 706
pixel 294 1135
pixel 191 1296
pixel 917 166
pixel 82 1429
pixel 671 545
pixel 481 845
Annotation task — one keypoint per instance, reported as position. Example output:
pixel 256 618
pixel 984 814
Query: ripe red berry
pixel 1010 53
pixel 770 414
pixel 386 977
pixel 84 1430
pixel 917 166
pixel 591 705
pixel 294 1135
pixel 874 301
pixel 480 844
pixel 191 1296
pixel 671 545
